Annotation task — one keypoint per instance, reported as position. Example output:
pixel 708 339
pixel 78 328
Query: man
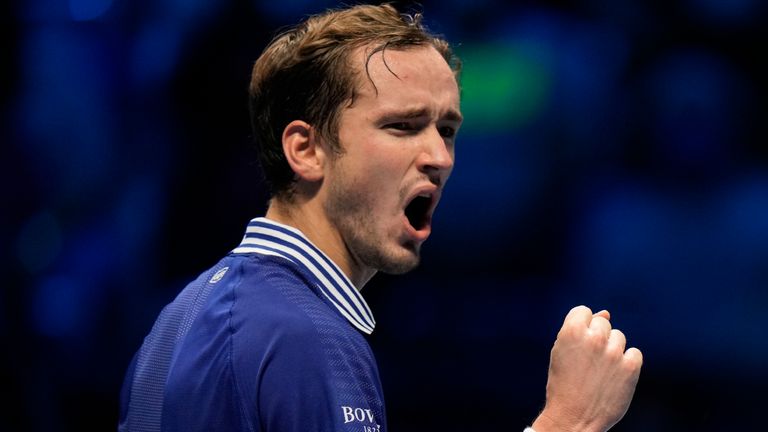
pixel 355 112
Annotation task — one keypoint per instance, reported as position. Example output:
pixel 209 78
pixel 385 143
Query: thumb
pixel 603 313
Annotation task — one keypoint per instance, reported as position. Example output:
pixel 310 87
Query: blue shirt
pixel 268 340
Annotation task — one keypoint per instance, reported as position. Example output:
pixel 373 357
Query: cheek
pixel 376 168
pixel 382 197
pixel 376 173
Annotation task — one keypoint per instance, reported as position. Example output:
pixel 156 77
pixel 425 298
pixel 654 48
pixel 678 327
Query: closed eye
pixel 447 132
pixel 401 126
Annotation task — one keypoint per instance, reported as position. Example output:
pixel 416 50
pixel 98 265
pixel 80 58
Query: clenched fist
pixel 591 376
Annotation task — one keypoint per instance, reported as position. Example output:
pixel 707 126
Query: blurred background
pixel 614 154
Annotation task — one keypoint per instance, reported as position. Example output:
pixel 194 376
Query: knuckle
pixel 581 308
pixel 614 353
pixel 633 359
pixel 568 330
pixel 631 367
pixel 595 339
pixel 618 339
pixel 601 321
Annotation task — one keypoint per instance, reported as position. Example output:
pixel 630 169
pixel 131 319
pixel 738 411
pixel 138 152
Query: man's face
pixel 397 140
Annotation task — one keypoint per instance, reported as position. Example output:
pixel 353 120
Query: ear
pixel 303 151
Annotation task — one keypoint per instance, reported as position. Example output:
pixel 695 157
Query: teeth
pixel 425 195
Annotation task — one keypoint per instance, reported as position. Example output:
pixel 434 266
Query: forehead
pixel 415 75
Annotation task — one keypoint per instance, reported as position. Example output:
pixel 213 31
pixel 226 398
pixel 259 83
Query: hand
pixel 591 378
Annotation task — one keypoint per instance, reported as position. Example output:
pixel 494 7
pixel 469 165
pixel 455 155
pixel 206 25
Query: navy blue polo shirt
pixel 269 340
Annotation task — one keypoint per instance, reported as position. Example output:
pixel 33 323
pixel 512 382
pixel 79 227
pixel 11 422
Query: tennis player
pixel 355 113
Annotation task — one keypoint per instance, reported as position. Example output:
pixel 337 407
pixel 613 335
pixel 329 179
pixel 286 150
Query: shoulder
pixel 275 313
pixel 270 275
pixel 274 296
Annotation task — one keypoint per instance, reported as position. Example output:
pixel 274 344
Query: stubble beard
pixel 352 213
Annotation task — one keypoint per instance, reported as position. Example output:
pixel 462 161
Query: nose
pixel 436 158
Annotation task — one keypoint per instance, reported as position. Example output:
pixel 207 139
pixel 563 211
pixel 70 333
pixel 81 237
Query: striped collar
pixel 267 237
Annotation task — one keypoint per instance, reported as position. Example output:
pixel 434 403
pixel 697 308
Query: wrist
pixel 548 422
pixel 545 424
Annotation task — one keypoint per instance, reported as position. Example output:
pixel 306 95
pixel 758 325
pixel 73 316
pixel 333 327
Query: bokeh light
pixel 613 154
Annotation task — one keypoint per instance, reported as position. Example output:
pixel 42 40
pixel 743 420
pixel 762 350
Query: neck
pixel 309 218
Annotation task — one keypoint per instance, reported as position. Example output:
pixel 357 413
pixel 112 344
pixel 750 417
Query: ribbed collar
pixel 267 237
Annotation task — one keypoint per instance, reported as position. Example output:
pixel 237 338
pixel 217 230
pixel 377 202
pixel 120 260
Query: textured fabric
pixel 256 344
pixel 151 364
pixel 268 237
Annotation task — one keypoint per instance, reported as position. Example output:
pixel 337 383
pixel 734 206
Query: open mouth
pixel 417 211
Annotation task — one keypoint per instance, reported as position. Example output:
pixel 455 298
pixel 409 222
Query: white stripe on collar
pixel 267 237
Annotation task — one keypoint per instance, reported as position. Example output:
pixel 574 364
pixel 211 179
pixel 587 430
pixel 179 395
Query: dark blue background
pixel 614 155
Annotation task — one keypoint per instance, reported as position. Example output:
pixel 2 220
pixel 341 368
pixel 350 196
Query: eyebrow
pixel 453 115
pixel 409 113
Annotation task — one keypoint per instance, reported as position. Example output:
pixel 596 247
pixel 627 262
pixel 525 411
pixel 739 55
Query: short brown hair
pixel 305 74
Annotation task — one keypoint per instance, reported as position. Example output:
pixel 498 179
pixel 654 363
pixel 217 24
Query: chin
pixel 386 253
pixel 405 259
pixel 400 267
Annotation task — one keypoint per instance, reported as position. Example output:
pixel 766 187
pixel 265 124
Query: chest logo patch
pixel 363 416
pixel 219 275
